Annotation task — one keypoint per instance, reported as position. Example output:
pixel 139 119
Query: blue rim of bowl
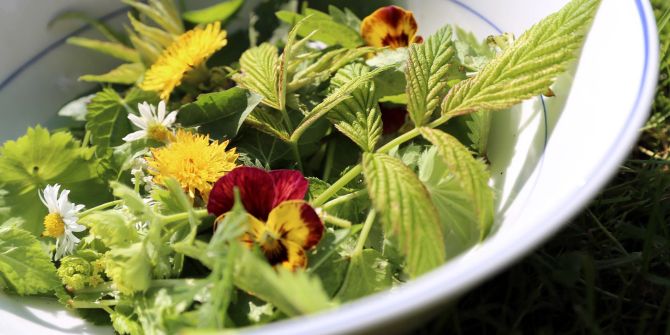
pixel 435 294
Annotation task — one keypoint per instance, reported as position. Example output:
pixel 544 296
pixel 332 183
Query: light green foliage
pixel 260 73
pixel 114 49
pixel 128 74
pixel 38 159
pixel 113 228
pixel 162 12
pixel 471 174
pixel 125 325
pixel 129 268
pixel 107 117
pixel 359 118
pixel 406 211
pixel 325 65
pixel 81 270
pixel 325 28
pixel 220 12
pixel 25 267
pixel 368 273
pixel 426 74
pixel 528 67
pixel 220 114
pixel 471 53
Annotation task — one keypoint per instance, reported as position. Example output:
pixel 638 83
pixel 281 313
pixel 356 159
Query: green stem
pixel 296 154
pixel 367 226
pixel 343 199
pixel 107 287
pixel 91 304
pixel 333 189
pixel 330 157
pixel 199 213
pixel 101 207
pixel 334 220
pixel 87 139
pixel 411 135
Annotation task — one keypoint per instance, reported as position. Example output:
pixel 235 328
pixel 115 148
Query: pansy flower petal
pixel 296 256
pixel 289 185
pixel 296 221
pixel 390 26
pixel 256 192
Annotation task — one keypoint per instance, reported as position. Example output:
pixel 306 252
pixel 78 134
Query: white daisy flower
pixel 61 222
pixel 153 124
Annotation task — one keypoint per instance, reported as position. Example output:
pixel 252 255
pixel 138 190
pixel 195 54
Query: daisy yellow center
pixel 158 132
pixel 54 226
pixel 193 161
pixel 189 51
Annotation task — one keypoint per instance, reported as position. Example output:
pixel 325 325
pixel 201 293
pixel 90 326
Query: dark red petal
pixel 314 224
pixel 393 118
pixel 289 185
pixel 256 192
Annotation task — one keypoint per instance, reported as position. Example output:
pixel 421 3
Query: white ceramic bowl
pixel 548 157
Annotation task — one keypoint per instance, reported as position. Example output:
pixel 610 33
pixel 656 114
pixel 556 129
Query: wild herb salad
pixel 334 158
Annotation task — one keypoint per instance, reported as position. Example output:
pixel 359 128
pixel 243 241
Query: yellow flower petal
pixel 296 221
pixel 390 26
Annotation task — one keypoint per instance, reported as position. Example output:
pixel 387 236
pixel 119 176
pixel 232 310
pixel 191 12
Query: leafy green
pixel 528 67
pixel 220 113
pixel 220 12
pixel 406 210
pixel 368 273
pixel 322 27
pixel 111 227
pixel 107 117
pixel 128 74
pixel 129 267
pixel 164 13
pixel 260 73
pixel 24 266
pixel 359 118
pixel 114 49
pixel 426 74
pixel 471 174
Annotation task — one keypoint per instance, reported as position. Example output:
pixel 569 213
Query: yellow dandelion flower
pixel 193 161
pixel 187 52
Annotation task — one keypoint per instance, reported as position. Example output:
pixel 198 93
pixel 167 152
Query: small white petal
pixel 161 111
pixel 145 110
pixel 170 119
pixel 137 121
pixel 140 134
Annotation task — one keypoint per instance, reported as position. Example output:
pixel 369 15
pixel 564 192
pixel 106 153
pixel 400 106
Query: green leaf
pixel 293 293
pixel 38 159
pixel 345 17
pixel 129 268
pixel 260 72
pixel 471 174
pixel 268 121
pixel 426 72
pixel 107 117
pixel 219 12
pixel 127 74
pixel 368 273
pixel 111 227
pixel 322 27
pixel 24 265
pixel 359 118
pixel 114 49
pixel 164 13
pixel 406 210
pixel 479 125
pixel 527 68
pixel 151 34
pixel 220 113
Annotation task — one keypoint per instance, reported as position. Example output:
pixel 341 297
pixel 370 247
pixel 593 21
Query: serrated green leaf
pixel 164 13
pixel 478 126
pixel 527 68
pixel 111 227
pixel 322 27
pixel 107 117
pixel 24 266
pixel 114 49
pixel 369 272
pixel 150 33
pixel 219 12
pixel 406 211
pixel 359 118
pixel 259 66
pixel 470 173
pixel 427 67
pixel 127 74
pixel 129 268
pixel 269 122
pixel 220 113
pixel 293 293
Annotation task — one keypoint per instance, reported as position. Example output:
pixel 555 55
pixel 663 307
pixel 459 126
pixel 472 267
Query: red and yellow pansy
pixel 390 26
pixel 281 223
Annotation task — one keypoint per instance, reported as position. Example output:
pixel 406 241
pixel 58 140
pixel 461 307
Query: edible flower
pixel 61 222
pixel 281 223
pixel 188 52
pixel 194 161
pixel 153 125
pixel 390 26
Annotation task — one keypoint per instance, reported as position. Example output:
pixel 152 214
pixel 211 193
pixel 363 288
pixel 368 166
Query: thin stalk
pixel 101 207
pixel 200 213
pixel 330 157
pixel 343 199
pixel 296 154
pixel 107 287
pixel 91 304
pixel 335 221
pixel 87 139
pixel 333 189
pixel 367 226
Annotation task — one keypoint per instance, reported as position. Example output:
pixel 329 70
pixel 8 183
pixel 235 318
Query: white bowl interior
pixel 549 157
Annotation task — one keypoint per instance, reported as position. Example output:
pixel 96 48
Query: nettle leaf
pixel 269 122
pixel 107 117
pixel 111 227
pixel 219 12
pixel 527 68
pixel 359 118
pixel 129 268
pixel 259 73
pixel 293 293
pixel 427 67
pixel 471 174
pixel 38 159
pixel 406 211
pixel 369 272
pixel 322 27
pixel 478 126
pixel 114 49
pixel 24 266
pixel 127 74
pixel 221 113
